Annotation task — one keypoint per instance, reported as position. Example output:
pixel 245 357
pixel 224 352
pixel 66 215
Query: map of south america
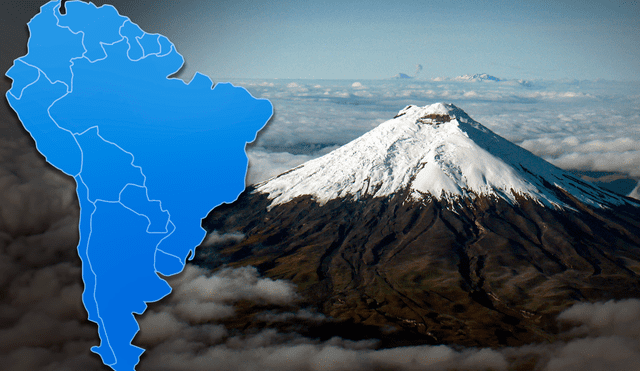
pixel 151 154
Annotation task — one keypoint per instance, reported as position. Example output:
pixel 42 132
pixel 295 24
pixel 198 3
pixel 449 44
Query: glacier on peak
pixel 477 77
pixel 434 151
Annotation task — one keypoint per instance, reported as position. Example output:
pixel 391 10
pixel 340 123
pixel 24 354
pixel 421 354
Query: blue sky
pixel 376 39
pixel 353 39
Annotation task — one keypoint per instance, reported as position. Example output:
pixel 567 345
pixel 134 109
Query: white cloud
pixel 624 162
pixel 267 351
pixel 601 336
pixel 597 354
pixel 214 238
pixel 612 318
pixel 607 154
pixel 158 327
pixel 264 165
pixel 228 286
pixel 606 337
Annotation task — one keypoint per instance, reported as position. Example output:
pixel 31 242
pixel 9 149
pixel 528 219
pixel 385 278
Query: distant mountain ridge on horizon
pixel 470 78
pixel 478 77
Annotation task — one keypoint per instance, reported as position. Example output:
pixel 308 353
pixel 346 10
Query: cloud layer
pixel 43 324
pixel 597 336
pixel 181 333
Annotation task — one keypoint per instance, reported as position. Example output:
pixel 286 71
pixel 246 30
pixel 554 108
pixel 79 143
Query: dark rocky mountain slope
pixel 485 262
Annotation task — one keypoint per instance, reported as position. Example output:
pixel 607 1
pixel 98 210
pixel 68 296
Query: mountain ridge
pixel 477 77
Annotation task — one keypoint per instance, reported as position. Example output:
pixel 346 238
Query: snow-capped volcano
pixel 433 225
pixel 435 151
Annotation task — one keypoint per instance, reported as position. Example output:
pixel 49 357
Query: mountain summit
pixel 477 77
pixel 433 228
pixel 438 152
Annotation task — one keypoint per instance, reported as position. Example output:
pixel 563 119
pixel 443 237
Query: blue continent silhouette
pixel 151 154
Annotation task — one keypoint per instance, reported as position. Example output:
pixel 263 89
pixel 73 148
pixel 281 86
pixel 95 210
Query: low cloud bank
pixel 600 336
pixel 43 325
pixel 606 336
pixel 607 155
pixel 195 290
pixel 264 165
pixel 257 353
pixel 181 334
pixel 215 239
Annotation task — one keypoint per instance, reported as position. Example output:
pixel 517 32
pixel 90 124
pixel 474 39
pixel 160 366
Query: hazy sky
pixel 335 39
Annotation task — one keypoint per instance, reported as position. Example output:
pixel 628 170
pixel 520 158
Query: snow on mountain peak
pixel 477 77
pixel 434 151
